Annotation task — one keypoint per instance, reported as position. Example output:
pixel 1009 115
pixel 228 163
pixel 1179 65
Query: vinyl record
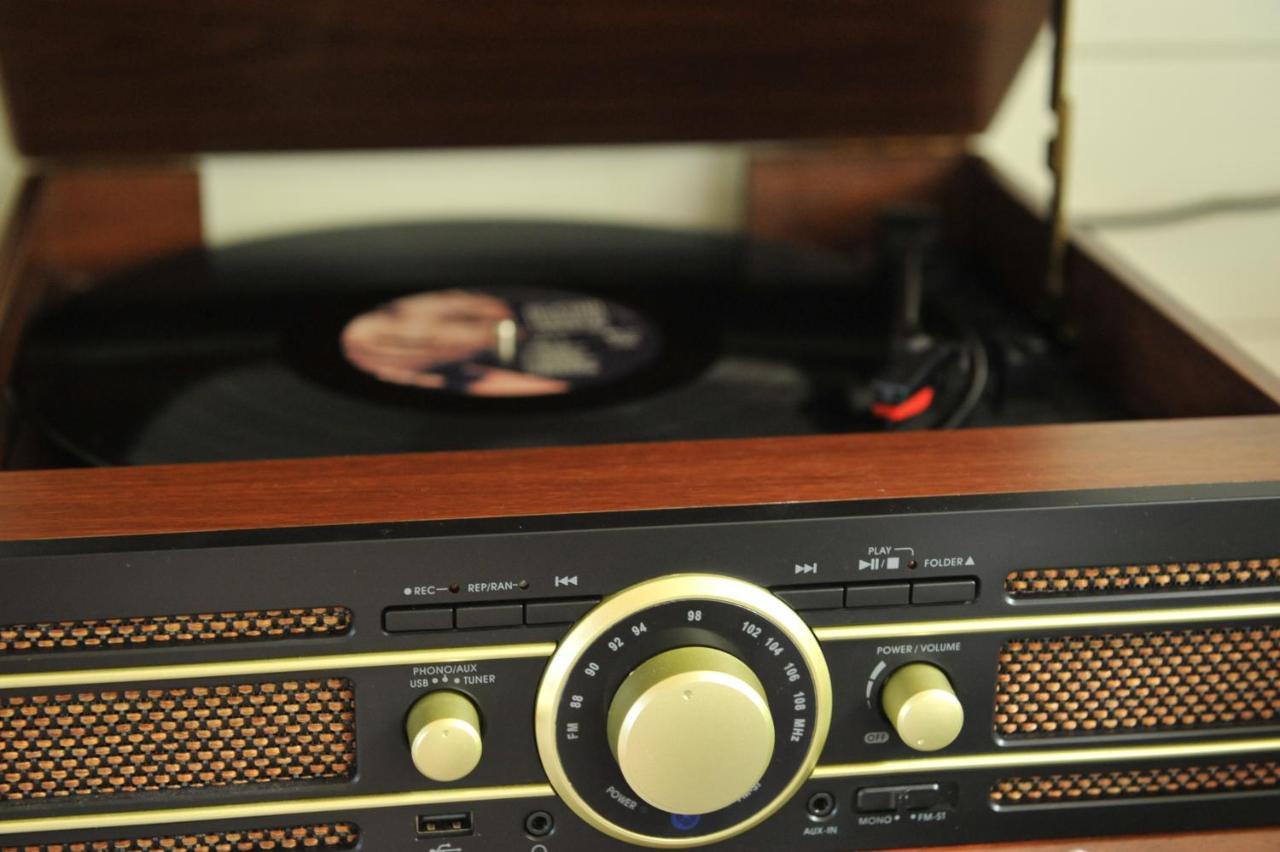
pixel 435 336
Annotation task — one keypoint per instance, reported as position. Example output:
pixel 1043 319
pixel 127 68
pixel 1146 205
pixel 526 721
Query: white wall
pixel 1175 99
pixel 695 186
pixel 1175 103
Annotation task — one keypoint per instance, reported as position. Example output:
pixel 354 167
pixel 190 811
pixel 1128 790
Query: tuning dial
pixel 683 710
pixel 922 706
pixel 444 735
pixel 691 730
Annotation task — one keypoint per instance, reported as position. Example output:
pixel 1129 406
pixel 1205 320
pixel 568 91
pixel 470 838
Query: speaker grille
pixel 147 631
pixel 1172 680
pixel 129 741
pixel 332 836
pixel 1146 783
pixel 1132 579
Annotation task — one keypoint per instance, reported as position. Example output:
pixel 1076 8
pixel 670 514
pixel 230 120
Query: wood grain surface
pixel 95 220
pixel 1167 359
pixel 833 195
pixel 70 226
pixel 433 486
pixel 94 77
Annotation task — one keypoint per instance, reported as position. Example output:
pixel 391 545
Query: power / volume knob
pixel 922 706
pixel 691 730
pixel 443 728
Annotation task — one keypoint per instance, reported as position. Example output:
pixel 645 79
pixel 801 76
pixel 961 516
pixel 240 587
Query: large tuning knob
pixel 691 730
pixel 683 710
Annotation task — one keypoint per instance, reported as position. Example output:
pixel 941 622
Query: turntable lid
pixel 140 77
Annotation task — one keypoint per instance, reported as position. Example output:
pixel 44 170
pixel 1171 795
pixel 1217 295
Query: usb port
pixel 445 825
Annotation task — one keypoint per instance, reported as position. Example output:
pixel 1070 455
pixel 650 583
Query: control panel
pixel 825 678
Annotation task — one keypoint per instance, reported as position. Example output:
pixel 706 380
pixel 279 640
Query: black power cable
pixel 1174 214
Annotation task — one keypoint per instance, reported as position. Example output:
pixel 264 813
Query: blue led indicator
pixel 685 822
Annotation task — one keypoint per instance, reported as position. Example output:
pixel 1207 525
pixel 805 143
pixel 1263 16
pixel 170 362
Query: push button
pixel 812 597
pixel 944 591
pixel 557 612
pixel 881 594
pixel 415 620
pixel 490 615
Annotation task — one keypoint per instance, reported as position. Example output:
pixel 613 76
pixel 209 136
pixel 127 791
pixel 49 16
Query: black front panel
pixel 1085 713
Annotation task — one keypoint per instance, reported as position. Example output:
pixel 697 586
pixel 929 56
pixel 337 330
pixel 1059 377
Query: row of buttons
pixel 474 616
pixel 960 590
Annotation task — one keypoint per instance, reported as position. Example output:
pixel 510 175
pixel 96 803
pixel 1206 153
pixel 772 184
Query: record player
pixel 482 509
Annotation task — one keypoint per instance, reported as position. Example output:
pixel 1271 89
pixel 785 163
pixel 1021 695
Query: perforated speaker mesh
pixel 331 836
pixel 133 740
pixel 1106 785
pixel 1171 680
pixel 1151 577
pixel 147 631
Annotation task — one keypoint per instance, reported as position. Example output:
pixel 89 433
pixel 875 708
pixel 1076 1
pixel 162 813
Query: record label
pixel 501 342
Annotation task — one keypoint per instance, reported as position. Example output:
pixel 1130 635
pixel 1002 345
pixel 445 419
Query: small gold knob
pixel 924 709
pixel 444 735
pixel 691 730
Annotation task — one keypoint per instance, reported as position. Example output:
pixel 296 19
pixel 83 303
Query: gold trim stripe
pixel 1009 758
pixel 427 656
pixel 1022 623
pixel 290 807
pixel 530 791
pixel 236 668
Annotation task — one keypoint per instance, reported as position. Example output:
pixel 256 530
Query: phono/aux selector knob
pixel 443 729
pixel 683 710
